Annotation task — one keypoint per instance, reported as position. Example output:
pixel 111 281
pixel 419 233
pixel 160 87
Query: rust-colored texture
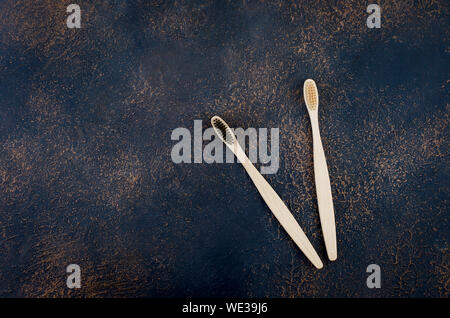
pixel 86 176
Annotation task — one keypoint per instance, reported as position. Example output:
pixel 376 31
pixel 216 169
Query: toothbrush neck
pixel 313 115
pixel 247 164
pixel 315 129
pixel 240 154
pixel 314 120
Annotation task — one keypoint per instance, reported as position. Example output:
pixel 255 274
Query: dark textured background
pixel 86 175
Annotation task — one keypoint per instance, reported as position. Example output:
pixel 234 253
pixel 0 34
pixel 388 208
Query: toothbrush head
pixel 223 130
pixel 310 94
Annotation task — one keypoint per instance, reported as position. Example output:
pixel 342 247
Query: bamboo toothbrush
pixel 323 188
pixel 269 195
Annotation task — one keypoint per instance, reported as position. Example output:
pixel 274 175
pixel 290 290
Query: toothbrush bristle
pixel 223 130
pixel 311 95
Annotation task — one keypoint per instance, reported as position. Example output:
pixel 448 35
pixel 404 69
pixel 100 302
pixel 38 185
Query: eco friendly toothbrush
pixel 323 188
pixel 269 195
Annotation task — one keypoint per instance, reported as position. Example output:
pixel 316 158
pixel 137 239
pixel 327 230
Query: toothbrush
pixel 323 188
pixel 269 195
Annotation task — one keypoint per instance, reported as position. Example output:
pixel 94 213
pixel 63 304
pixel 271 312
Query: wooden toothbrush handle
pixel 323 190
pixel 280 210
